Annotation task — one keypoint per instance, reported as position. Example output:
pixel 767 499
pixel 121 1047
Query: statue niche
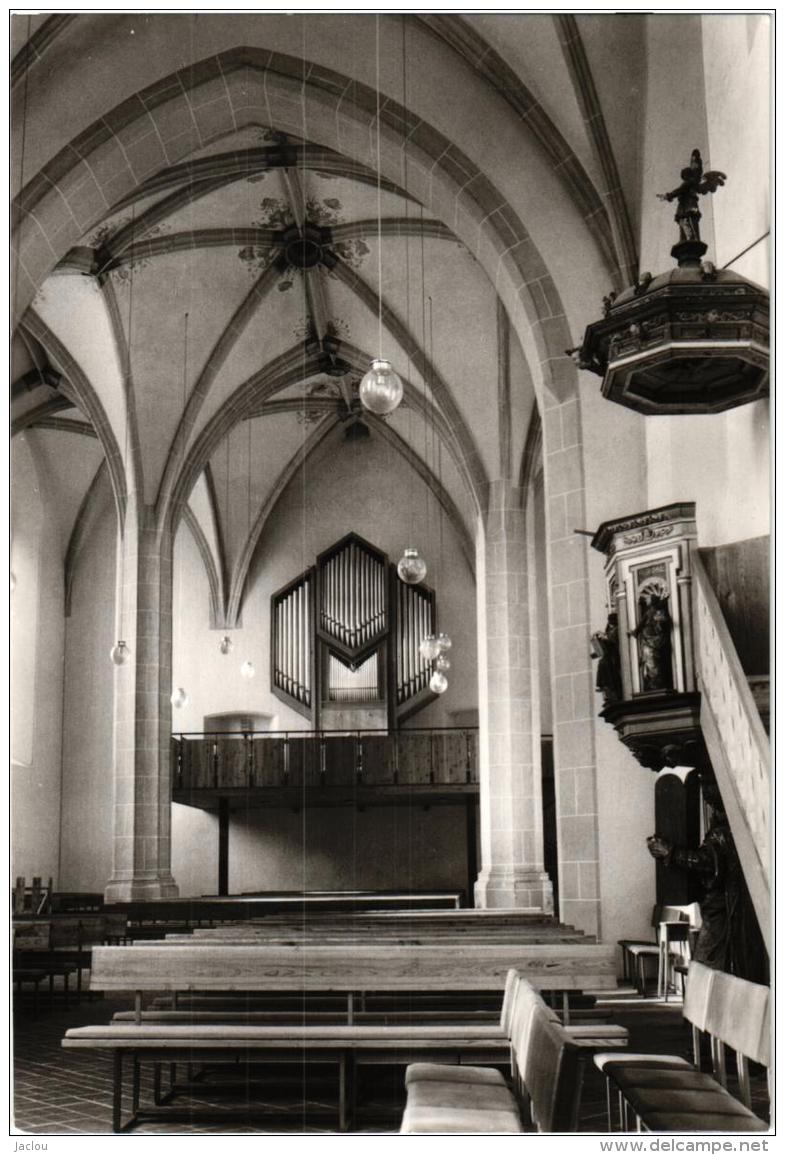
pixel 653 634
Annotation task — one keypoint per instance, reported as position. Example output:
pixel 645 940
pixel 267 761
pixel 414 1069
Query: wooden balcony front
pixel 325 768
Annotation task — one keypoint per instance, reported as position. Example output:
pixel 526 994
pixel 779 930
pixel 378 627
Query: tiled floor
pixel 60 1092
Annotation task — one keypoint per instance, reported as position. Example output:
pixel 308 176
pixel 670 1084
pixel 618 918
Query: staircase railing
pixel 737 743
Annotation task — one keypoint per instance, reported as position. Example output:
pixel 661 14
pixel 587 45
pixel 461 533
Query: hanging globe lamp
pixel 438 683
pixel 247 670
pixel 179 698
pixel 429 648
pixel 442 663
pixel 381 389
pixel 226 644
pixel 119 653
pixel 444 642
pixel 411 568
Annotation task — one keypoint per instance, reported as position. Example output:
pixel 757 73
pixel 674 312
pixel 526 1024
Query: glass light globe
pixel 179 698
pixel 119 653
pixel 226 645
pixel 411 568
pixel 444 642
pixel 438 683
pixel 442 663
pixel 247 670
pixel 381 389
pixel 429 648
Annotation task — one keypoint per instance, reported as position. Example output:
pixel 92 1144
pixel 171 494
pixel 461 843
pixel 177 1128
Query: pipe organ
pixel 348 630
pixel 414 622
pixel 291 640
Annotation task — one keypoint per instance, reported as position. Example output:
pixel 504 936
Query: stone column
pixel 142 805
pixel 512 873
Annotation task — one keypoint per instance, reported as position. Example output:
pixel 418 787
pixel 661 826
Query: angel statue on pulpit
pixel 694 183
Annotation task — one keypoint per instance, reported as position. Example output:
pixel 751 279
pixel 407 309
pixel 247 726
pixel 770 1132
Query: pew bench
pixel 231 968
pixel 667 1093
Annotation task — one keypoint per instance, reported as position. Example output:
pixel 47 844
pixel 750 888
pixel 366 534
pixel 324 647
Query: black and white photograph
pixel 390 616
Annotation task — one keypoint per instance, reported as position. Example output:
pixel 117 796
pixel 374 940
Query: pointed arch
pixel 80 391
pixel 217 616
pixel 81 527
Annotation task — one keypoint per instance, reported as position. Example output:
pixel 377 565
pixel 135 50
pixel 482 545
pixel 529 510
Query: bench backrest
pixel 697 995
pixel 545 1062
pixel 31 936
pixel 348 967
pixel 738 1015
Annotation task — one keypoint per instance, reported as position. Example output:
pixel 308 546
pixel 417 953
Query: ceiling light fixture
pixel 411 568
pixel 381 389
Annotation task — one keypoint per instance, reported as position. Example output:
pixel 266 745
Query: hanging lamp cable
pixel 424 371
pixel 408 281
pixel 379 179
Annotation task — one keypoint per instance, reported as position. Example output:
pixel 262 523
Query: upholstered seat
pixel 425 1120
pixel 441 1072
pixel 701 1121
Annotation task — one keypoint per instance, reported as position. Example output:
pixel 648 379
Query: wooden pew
pixel 349 967
pixel 183 913
pixel 343 969
pixel 666 1093
pixel 34 959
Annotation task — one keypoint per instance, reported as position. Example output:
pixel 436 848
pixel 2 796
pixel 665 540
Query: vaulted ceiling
pixel 201 314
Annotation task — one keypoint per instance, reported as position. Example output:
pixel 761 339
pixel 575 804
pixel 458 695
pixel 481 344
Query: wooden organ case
pixel 346 634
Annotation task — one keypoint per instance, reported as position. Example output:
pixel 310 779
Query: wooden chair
pixel 666 1093
pixel 545 1096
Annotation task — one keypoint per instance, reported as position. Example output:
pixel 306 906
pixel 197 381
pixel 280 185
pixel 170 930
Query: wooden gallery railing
pixel 419 758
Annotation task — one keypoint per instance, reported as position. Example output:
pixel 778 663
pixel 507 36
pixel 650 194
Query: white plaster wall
pixel 708 88
pixel 737 72
pixel 88 708
pixel 324 849
pixel 36 673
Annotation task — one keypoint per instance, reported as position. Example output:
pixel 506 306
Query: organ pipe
pixel 353 609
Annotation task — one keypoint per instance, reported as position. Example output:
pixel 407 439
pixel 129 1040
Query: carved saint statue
pixel 729 938
pixel 694 183
pixel 654 644
pixel 606 648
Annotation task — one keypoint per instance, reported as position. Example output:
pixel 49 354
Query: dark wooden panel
pixel 197 763
pixel 339 761
pixel 268 761
pixel 677 819
pixel 378 761
pixel 473 754
pixel 414 758
pixel 232 762
pixel 452 758
pixel 739 574
pixel 304 761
